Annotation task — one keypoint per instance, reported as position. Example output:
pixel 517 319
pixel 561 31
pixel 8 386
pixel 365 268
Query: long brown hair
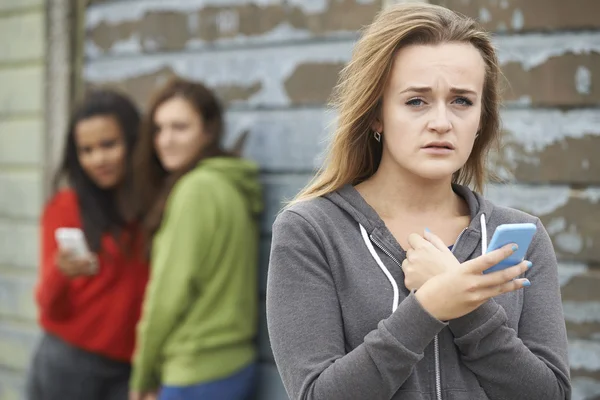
pixel 152 182
pixel 353 155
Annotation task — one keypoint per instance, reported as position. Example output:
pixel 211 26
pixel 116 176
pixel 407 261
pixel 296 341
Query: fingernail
pixel 529 264
pixel 514 247
pixel 427 230
pixel 526 282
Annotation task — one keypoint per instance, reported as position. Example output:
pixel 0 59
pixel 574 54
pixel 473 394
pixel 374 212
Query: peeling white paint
pixel 567 271
pixel 282 140
pixel 584 354
pixel 269 66
pixel 585 388
pixel 119 12
pixel 585 164
pixel 537 200
pixel 535 130
pixel 556 225
pixel 580 312
pixel 524 100
pixel 532 50
pixel 591 194
pixel 283 31
pixel 518 20
pixel 484 15
pixel 583 80
pixel 569 241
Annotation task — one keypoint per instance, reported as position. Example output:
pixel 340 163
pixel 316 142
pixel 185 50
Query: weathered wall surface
pixel 275 62
pixel 21 174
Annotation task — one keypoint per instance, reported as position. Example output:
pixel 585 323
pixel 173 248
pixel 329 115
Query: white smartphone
pixel 73 240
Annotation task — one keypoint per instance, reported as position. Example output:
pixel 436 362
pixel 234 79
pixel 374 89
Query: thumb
pixel 435 241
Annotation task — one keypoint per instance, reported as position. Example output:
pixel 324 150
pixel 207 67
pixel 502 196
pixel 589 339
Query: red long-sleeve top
pixel 96 313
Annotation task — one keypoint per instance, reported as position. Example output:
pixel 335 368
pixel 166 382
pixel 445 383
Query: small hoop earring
pixel 377 136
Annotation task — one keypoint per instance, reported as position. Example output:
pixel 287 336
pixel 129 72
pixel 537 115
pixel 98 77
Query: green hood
pixel 243 174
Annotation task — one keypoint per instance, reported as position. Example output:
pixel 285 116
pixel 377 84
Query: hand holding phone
pixel 520 234
pixel 74 257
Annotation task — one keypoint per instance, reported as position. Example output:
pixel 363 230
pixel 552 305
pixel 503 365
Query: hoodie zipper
pixel 436 343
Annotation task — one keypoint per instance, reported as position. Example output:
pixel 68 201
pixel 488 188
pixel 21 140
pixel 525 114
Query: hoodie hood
pixel 243 174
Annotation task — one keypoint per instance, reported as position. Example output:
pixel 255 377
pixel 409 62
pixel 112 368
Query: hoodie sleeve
pixel 533 363
pixel 52 291
pixel 179 247
pixel 306 328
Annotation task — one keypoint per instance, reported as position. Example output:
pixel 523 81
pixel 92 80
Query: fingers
pixel 435 241
pixel 416 241
pixel 505 275
pixel 483 262
pixel 506 287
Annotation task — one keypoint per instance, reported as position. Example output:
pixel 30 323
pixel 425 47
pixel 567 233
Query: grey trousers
pixel 60 371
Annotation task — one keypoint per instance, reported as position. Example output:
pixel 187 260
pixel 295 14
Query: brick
pixel 151 26
pixel 263 263
pixel 21 141
pixel 21 194
pixel 564 80
pixel 15 5
pixel 12 385
pixel 585 388
pixel 584 355
pixel 278 190
pixel 270 386
pixel 264 345
pixel 282 140
pixel 535 139
pixel 19 244
pixel 250 77
pixel 21 90
pixel 529 15
pixel 17 297
pixel 17 344
pixel 542 70
pixel 565 213
pixel 22 37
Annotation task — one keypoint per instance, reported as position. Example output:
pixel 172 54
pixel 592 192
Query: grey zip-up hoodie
pixel 335 279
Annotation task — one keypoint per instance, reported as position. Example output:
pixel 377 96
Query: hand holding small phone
pixel 73 257
pixel 74 266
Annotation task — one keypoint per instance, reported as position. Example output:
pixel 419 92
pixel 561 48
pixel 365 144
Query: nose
pixel 440 123
pixel 164 138
pixel 98 157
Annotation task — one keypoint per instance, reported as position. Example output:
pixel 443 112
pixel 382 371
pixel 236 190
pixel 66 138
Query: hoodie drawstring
pixel 377 259
pixel 365 236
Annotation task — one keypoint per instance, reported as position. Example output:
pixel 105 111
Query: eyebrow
pixel 427 89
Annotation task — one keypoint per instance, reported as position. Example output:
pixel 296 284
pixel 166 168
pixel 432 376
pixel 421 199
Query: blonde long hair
pixel 353 155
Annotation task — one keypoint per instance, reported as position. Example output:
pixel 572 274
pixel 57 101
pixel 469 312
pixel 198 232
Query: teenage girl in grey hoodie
pixel 365 302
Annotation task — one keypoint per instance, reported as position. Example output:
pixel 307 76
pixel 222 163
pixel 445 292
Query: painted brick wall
pixel 21 194
pixel 275 63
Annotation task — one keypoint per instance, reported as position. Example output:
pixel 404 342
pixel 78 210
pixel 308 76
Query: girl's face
pixel 180 134
pixel 431 109
pixel 101 150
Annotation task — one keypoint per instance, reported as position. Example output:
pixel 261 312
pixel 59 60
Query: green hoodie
pixel 199 317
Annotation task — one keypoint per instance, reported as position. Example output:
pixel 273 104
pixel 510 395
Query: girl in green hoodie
pixel 199 321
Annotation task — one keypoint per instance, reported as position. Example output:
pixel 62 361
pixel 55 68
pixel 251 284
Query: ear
pixel 377 125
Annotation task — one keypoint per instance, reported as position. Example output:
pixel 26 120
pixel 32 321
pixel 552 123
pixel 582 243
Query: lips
pixel 439 145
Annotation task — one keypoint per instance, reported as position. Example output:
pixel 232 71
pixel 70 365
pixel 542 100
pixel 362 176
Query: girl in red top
pixel 88 307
